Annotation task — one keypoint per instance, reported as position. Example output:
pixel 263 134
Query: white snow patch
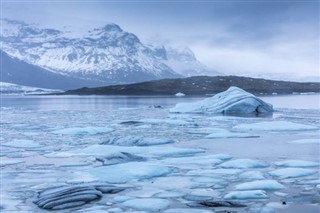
pixel 274 126
pixel 122 173
pixel 292 172
pixel 232 101
pixel 296 163
pixel 260 184
pixel 250 194
pixel 147 204
pixel 243 164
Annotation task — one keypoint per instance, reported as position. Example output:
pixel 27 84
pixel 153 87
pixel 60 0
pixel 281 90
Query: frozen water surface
pixel 187 158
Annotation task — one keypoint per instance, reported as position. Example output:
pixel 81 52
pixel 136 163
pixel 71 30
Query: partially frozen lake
pixel 161 161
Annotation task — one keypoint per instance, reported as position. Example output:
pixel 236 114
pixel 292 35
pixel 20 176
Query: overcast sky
pixel 231 37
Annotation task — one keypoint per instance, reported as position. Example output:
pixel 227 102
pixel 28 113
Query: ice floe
pixel 250 194
pixel 180 94
pixel 187 210
pixel 122 173
pixel 9 161
pixel 306 141
pixel 292 172
pixel 260 184
pixel 147 204
pixel 243 164
pixel 22 143
pixel 251 175
pixel 72 196
pixel 89 130
pixel 137 141
pixel 121 157
pixel 223 133
pixel 274 126
pixel 232 101
pixel 297 163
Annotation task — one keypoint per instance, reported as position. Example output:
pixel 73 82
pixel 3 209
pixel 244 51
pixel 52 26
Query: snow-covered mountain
pixel 107 54
pixel 8 88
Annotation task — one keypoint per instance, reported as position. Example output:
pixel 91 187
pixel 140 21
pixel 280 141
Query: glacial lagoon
pixel 135 156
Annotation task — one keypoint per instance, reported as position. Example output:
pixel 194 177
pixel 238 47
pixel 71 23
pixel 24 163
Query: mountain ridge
pixel 201 85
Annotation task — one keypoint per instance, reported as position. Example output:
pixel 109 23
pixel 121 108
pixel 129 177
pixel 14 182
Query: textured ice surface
pixel 243 164
pixel 147 204
pixel 306 141
pixel 152 151
pixel 9 161
pixel 137 141
pixel 297 163
pixel 250 194
pixel 122 173
pixel 170 122
pixel 232 101
pixel 251 175
pixel 187 210
pixel 89 130
pixel 260 184
pixel 292 172
pixel 223 133
pixel 274 126
pixel 22 143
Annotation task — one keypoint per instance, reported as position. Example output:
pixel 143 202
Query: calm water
pixel 115 102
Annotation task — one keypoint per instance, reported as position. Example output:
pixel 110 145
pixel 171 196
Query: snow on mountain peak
pixel 106 53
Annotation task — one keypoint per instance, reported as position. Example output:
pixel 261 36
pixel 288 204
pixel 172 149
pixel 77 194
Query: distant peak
pixel 110 27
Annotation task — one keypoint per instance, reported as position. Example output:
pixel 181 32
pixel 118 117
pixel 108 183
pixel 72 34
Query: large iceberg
pixel 232 101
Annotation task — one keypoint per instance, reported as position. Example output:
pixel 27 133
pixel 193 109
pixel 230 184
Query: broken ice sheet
pixel 122 173
pixel 243 164
pixel 147 204
pixel 292 172
pixel 306 141
pixel 274 126
pixel 297 163
pixel 243 195
pixel 22 143
pixel 89 130
pixel 260 184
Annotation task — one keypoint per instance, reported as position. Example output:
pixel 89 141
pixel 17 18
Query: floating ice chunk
pixel 121 157
pixel 147 204
pixel 187 210
pixel 169 194
pixel 180 94
pixel 89 130
pixel 8 161
pixel 232 101
pixel 251 175
pixel 260 184
pixel 172 122
pixel 274 126
pixel 242 195
pixel 22 143
pixel 263 209
pixel 297 163
pixel 122 173
pixel 292 172
pixel 215 172
pixel 280 194
pixel 306 141
pixel 137 141
pixel 120 199
pixel 207 160
pixel 223 133
pixel 243 164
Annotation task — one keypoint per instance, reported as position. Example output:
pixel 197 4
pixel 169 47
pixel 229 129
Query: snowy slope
pixel 103 54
